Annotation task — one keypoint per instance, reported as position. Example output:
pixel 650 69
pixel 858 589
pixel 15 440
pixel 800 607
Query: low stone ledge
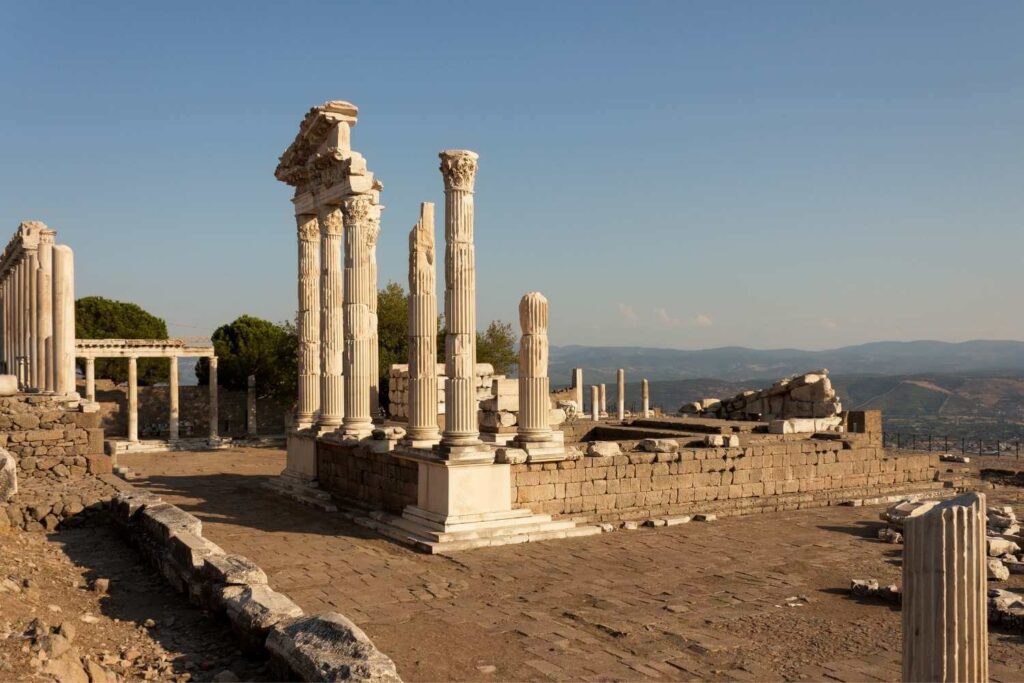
pixel 254 610
pixel 328 647
pixel 233 570
pixel 163 520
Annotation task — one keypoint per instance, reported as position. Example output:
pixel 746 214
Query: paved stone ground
pixel 703 601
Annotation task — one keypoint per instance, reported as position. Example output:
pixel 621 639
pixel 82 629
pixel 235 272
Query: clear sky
pixel 668 173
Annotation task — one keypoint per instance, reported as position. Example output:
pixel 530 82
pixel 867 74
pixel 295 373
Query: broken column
pixel 604 400
pixel 44 310
pixel 308 321
pixel 534 434
pixel 461 433
pixel 133 399
pixel 595 403
pixel 357 423
pixel 945 628
pixel 620 394
pixel 214 407
pixel 332 336
pixel 645 391
pixel 422 431
pixel 64 320
pixel 250 408
pixel 90 379
pixel 172 400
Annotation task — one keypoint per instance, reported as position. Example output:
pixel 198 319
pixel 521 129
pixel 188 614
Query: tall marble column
pixel 332 335
pixel 945 603
pixel 595 403
pixel 604 399
pixel 214 406
pixel 577 384
pixel 133 399
pixel 357 423
pixel 172 401
pixel 461 429
pixel 90 379
pixel 34 376
pixel 308 321
pixel 620 394
pixel 422 429
pixel 250 408
pixel 534 424
pixel 64 320
pixel 372 235
pixel 45 343
pixel 645 391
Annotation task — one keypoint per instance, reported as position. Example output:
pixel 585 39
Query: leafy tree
pixel 392 327
pixel 253 346
pixel 99 318
pixel 497 346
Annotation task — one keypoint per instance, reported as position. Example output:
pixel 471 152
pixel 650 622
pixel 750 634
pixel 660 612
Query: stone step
pixel 491 530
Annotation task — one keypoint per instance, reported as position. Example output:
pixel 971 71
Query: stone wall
pixel 361 476
pixel 784 474
pixel 398 387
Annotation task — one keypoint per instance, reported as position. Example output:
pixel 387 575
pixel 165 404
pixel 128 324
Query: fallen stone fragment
pixel 906 509
pixel 997 571
pixel 329 647
pixel 704 517
pixel 101 585
pixel 511 456
pixel 1001 546
pixel 630 525
pixel 889 535
pixel 673 521
pixel 950 457
pixel 870 588
pixel 603 449
pixel 254 609
pixel 606 527
pixel 659 445
pixel 654 522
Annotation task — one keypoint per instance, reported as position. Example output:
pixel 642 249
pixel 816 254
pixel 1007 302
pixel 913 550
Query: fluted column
pixel 372 236
pixel 64 320
pixel 308 321
pixel 604 399
pixel 577 384
pixel 214 406
pixel 620 394
pixel 595 403
pixel 534 424
pixel 945 626
pixel 90 379
pixel 357 423
pixel 32 277
pixel 458 167
pixel 332 335
pixel 45 310
pixel 172 401
pixel 422 427
pixel 22 331
pixel 133 399
pixel 645 391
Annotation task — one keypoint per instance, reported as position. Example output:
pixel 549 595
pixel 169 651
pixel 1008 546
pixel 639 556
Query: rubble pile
pixel 808 396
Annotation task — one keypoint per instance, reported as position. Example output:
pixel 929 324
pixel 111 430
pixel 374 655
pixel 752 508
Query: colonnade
pixel 37 310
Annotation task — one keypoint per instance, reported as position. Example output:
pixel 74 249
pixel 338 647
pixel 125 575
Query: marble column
pixel 34 376
pixel 945 602
pixel 308 321
pixel 534 423
pixel 214 406
pixel 19 321
pixel 64 320
pixel 604 399
pixel 357 423
pixel 251 428
pixel 461 430
pixel 620 394
pixel 133 399
pixel 373 234
pixel 45 347
pixel 645 391
pixel 595 403
pixel 332 336
pixel 90 379
pixel 172 401
pixel 577 384
pixel 422 430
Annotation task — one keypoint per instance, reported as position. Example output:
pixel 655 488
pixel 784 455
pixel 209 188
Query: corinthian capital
pixel 308 229
pixel 357 209
pixel 330 220
pixel 458 166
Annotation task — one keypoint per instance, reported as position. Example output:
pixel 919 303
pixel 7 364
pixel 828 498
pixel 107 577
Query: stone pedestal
pixel 945 602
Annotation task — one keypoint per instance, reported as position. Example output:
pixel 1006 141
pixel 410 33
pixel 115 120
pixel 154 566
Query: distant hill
pixel 739 364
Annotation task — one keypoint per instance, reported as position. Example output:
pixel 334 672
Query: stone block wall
pixel 376 480
pixel 770 476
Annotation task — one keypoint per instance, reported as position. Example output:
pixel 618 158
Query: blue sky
pixel 667 173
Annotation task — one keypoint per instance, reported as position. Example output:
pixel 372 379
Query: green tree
pixel 253 346
pixel 497 346
pixel 392 328
pixel 99 318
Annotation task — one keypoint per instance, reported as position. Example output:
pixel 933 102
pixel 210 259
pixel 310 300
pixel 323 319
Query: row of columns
pixel 37 311
pixel 599 400
pixel 173 420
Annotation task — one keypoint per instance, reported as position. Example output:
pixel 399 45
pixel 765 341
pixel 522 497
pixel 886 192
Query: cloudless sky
pixel 670 174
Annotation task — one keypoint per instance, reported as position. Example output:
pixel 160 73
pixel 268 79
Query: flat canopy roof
pixel 140 348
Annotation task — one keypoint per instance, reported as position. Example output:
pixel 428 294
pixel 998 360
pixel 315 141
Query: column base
pixel 476 453
pixel 497 438
pixel 423 444
pixel 357 432
pixel 543 451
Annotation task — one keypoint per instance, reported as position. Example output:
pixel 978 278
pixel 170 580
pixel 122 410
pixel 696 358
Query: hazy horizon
pixel 675 175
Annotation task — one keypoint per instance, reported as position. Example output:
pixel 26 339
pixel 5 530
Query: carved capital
pixel 372 232
pixel 357 209
pixel 309 231
pixel 330 221
pixel 458 167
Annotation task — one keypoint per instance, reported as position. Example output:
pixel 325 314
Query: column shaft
pixel 308 321
pixel 133 399
pixel 620 394
pixel 604 399
pixel 945 626
pixel 357 422
pixel 595 403
pixel 332 336
pixel 422 426
pixel 645 390
pixel 461 427
pixel 33 319
pixel 214 407
pixel 90 379
pixel 250 407
pixel 45 348
pixel 64 320
pixel 173 427
pixel 534 423
pixel 577 384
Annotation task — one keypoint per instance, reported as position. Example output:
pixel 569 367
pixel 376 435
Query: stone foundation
pixel 366 478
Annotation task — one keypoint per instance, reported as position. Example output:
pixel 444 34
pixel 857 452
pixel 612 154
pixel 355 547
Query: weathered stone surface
pixel 329 647
pixel 904 510
pixel 8 385
pixel 232 570
pixel 1001 546
pixel 660 445
pixel 996 570
pixel 190 551
pixel 254 609
pixel 512 456
pixel 603 449
pixel 162 520
pixel 8 476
